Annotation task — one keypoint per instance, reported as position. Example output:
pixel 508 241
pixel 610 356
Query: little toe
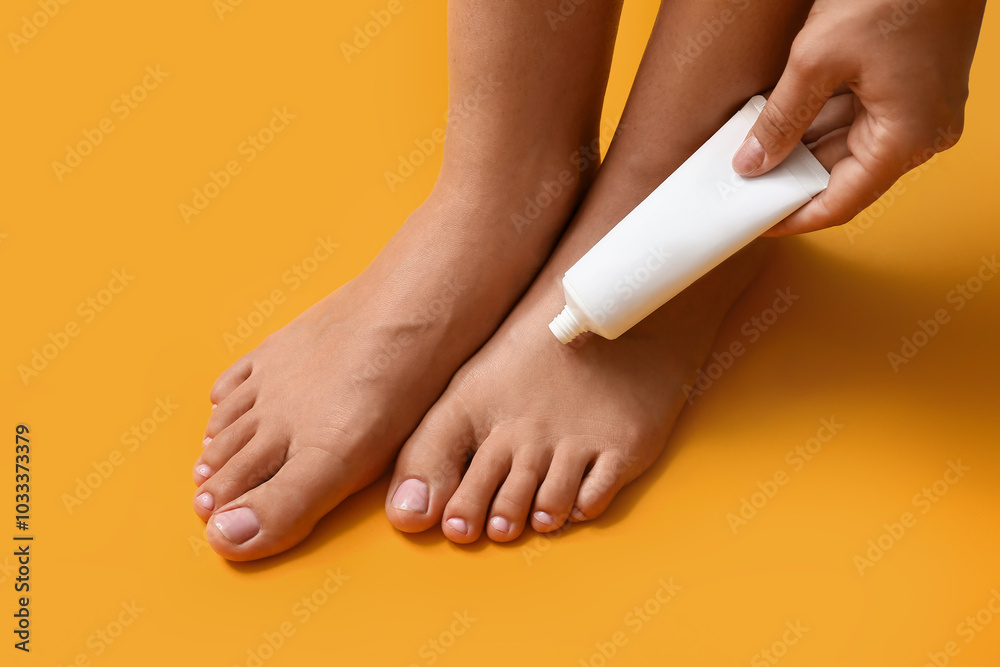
pixel 610 473
pixel 230 379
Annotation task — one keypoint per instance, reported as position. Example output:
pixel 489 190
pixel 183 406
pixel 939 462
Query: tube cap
pixel 566 327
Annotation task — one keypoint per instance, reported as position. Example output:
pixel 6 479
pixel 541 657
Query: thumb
pixel 790 110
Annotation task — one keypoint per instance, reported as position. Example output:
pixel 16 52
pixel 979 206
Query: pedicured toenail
pixel 203 470
pixel 411 496
pixel 204 443
pixel 500 524
pixel 238 525
pixel 544 518
pixel 458 525
pixel 206 500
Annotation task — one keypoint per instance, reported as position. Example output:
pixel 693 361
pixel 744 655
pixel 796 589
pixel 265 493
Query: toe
pixel 255 463
pixel 429 468
pixel 509 512
pixel 230 379
pixel 230 409
pixel 465 514
pixel 281 512
pixel 224 446
pixel 610 473
pixel 562 482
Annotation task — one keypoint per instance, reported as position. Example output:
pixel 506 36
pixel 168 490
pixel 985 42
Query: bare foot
pixel 320 408
pixel 556 430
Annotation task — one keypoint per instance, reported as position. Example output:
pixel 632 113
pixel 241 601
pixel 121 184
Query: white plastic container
pixel 703 213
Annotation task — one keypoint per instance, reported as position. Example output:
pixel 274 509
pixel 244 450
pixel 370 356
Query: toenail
pixel 458 525
pixel 500 524
pixel 544 518
pixel 238 525
pixel 204 443
pixel 215 405
pixel 577 515
pixel 411 495
pixel 203 470
pixel 206 500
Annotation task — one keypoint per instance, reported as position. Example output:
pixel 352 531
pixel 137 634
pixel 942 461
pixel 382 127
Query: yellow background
pixel 538 600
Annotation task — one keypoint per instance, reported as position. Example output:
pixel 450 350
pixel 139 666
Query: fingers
pixel 801 92
pixel 853 187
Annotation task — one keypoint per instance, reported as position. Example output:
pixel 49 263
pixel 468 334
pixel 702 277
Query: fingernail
pixel 458 525
pixel 204 443
pixel 238 525
pixel 500 524
pixel 411 495
pixel 749 156
pixel 544 518
pixel 203 471
pixel 206 500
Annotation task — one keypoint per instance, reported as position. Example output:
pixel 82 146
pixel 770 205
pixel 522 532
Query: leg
pixel 320 408
pixel 558 431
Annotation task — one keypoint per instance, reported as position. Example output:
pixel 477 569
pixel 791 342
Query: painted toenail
pixel 204 443
pixel 206 500
pixel 544 518
pixel 411 495
pixel 500 524
pixel 458 525
pixel 238 525
pixel 203 470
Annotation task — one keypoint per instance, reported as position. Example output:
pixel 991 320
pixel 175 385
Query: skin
pixel 901 81
pixel 307 418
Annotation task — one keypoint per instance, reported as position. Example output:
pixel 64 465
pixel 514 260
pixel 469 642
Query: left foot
pixel 556 430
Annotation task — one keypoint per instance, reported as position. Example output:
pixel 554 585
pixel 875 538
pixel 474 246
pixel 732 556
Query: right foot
pixel 320 408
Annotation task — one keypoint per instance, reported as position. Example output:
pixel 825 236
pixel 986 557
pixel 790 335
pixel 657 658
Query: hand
pixel 896 74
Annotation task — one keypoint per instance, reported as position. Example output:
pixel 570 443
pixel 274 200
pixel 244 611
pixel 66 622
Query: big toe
pixel 281 512
pixel 429 468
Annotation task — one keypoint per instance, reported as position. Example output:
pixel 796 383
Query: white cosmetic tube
pixel 702 214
